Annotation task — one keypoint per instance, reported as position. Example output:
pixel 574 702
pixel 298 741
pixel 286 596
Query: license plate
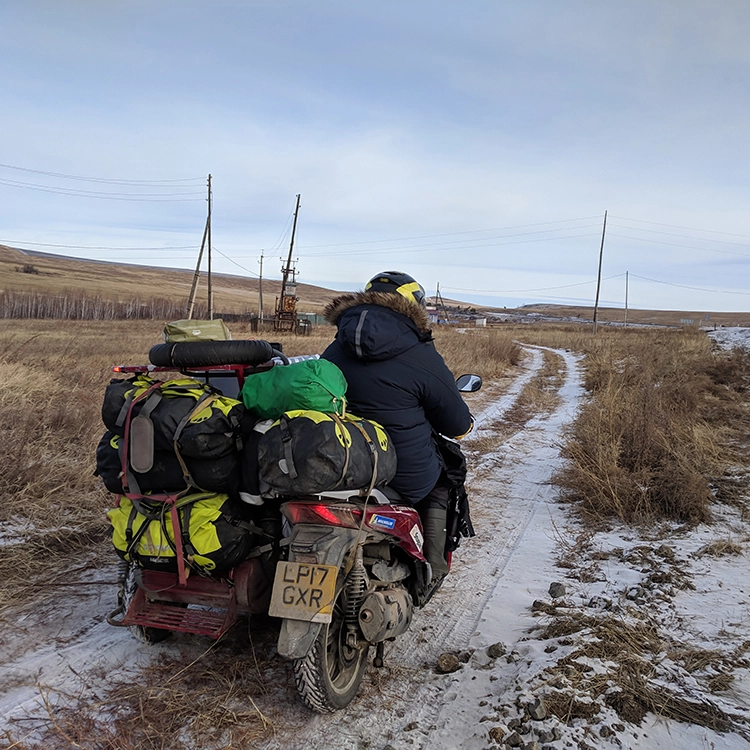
pixel 303 591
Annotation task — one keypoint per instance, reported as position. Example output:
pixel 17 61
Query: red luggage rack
pixel 208 373
pixel 160 602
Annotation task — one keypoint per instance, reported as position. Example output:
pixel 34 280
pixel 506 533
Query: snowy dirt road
pixel 61 650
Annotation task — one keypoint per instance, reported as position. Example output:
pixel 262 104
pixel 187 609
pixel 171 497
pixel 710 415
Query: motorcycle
pixel 344 571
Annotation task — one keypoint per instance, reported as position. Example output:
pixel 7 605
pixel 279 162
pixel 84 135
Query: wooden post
pixel 599 275
pixel 260 289
pixel 208 223
pixel 196 276
pixel 626 299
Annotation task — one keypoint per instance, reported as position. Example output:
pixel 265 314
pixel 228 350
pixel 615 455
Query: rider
pixel 396 377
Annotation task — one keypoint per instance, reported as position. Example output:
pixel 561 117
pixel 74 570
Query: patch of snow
pixel 731 338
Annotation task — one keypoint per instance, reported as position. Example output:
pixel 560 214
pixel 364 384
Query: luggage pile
pixel 172 452
pixel 182 456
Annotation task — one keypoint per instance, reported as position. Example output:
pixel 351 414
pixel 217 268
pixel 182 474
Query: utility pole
pixel 260 289
pixel 439 301
pixel 626 299
pixel 210 289
pixel 599 275
pixel 196 275
pixel 286 310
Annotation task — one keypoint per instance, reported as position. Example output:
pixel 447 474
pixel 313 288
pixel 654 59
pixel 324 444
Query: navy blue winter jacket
pixel 396 377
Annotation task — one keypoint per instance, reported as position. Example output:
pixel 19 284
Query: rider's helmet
pixel 398 282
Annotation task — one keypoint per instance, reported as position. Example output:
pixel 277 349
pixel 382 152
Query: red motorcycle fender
pixel 328 545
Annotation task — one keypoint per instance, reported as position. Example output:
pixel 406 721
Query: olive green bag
pixel 196 330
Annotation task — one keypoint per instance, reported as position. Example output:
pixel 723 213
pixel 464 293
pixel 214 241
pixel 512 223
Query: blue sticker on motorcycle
pixel 387 523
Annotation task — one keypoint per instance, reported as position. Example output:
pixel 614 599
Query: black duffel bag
pixel 166 474
pixel 307 452
pixel 205 423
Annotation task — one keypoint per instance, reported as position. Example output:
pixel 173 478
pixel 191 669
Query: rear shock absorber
pixel 356 586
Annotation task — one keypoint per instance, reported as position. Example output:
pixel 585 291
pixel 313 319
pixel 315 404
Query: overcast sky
pixel 476 144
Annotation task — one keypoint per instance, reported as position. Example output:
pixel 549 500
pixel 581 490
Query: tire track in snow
pixel 407 691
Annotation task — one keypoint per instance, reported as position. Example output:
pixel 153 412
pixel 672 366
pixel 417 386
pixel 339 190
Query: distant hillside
pixel 703 318
pixel 29 271
pixel 22 270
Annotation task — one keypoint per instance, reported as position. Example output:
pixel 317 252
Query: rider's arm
pixel 442 403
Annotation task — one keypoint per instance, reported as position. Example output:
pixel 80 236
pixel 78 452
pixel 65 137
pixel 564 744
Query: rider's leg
pixel 433 511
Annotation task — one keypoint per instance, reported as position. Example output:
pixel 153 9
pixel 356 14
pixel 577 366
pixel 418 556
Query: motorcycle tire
pixel 139 632
pixel 205 353
pixel 328 678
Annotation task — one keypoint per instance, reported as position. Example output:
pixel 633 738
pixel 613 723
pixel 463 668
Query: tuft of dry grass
pixel 655 430
pixel 627 654
pixel 720 548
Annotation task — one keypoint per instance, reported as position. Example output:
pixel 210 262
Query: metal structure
pixel 285 318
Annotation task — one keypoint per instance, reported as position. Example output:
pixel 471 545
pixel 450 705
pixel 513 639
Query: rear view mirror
pixel 468 383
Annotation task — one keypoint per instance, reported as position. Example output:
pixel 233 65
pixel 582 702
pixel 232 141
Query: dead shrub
pixel 567 707
pixel 489 353
pixel 720 548
pixel 652 435
pixel 170 705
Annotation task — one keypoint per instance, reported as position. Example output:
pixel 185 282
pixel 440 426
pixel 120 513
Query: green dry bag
pixel 312 384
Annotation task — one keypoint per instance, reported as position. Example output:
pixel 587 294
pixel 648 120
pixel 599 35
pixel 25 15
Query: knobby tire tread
pixel 309 680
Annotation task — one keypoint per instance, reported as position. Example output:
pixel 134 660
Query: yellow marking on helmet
pixel 407 290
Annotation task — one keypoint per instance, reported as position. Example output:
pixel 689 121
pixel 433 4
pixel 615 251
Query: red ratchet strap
pixel 170 499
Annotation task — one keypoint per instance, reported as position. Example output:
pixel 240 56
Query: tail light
pixel 334 514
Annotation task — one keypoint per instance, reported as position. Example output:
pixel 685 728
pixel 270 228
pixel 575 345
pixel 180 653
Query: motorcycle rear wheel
pixel 328 678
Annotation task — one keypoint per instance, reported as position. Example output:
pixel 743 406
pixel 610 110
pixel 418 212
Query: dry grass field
pixel 48 274
pixel 662 426
pixel 699 318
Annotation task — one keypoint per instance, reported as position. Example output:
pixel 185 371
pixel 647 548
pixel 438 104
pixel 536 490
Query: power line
pixel 257 276
pixel 454 234
pixel 432 247
pixel 683 236
pixel 675 226
pixel 14 244
pixel 147 197
pixel 695 288
pixel 538 289
pixel 111 181
pixel 675 244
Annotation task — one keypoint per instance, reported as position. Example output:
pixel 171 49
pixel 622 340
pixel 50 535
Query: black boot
pixel 434 522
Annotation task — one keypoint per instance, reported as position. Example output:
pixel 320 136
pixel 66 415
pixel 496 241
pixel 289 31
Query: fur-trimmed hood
pixel 394 302
pixel 375 326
